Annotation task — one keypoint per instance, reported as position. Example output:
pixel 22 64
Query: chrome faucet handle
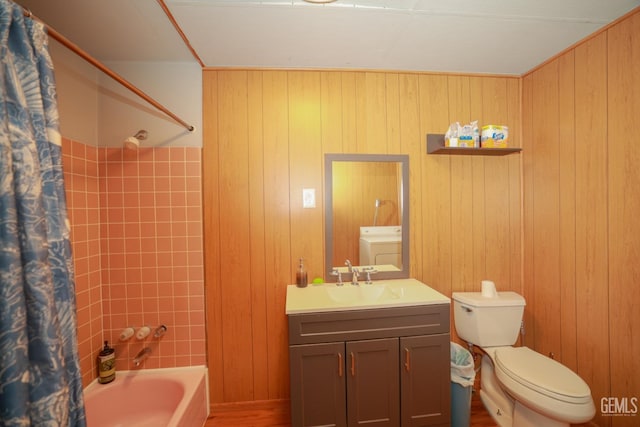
pixel 354 276
pixel 348 264
pixel 369 271
pixel 336 272
pixel 160 331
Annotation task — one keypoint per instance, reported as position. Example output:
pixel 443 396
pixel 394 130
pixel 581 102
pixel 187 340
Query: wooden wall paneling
pixel 361 101
pixel 350 109
pixel 305 171
pixel 567 213
pixel 381 181
pixel 346 177
pixel 497 212
pixel 235 287
pixel 514 164
pixel 392 108
pixel 254 123
pixel 436 177
pixel 331 128
pixel 412 143
pixel 356 214
pixel 373 121
pixel 591 219
pixel 277 221
pixel 258 263
pixel 461 192
pixel 478 191
pixel 331 113
pixel 461 196
pixel 353 141
pixel 528 158
pixel 211 226
pixel 546 211
pixel 624 209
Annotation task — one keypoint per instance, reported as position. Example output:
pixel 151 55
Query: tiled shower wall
pixel 136 223
pixel 81 180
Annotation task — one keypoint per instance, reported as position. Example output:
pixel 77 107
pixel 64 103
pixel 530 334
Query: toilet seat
pixel 543 384
pixel 542 374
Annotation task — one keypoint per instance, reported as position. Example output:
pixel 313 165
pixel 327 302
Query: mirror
pixel 367 214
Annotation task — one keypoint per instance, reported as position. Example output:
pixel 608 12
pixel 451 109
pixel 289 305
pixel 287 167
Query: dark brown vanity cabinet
pixel 376 367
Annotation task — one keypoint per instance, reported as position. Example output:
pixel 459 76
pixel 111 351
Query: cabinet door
pixel 425 380
pixel 373 382
pixel 317 385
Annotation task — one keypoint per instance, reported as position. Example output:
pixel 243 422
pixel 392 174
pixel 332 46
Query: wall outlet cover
pixel 308 198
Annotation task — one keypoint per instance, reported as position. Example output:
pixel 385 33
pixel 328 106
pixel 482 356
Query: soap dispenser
pixel 301 275
pixel 106 364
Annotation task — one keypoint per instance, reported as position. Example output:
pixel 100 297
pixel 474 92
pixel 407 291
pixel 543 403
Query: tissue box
pixel 494 136
pixel 462 135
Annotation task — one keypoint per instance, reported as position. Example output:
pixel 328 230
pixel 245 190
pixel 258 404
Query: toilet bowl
pixel 519 387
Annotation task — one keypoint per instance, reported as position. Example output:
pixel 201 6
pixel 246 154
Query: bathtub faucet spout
pixel 141 356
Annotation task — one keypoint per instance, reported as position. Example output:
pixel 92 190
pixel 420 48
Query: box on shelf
pixel 494 136
pixel 458 135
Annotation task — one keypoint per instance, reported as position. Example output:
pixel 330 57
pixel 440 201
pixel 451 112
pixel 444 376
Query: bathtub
pixel 175 397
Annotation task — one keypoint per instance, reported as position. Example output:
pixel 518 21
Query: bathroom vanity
pixel 374 354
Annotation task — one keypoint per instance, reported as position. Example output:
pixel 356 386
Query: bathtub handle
pixel 160 331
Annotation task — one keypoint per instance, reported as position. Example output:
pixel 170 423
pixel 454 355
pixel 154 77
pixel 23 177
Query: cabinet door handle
pixel 407 360
pixel 353 365
pixel 340 365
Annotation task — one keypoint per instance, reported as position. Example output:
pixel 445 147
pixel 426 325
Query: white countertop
pixel 381 294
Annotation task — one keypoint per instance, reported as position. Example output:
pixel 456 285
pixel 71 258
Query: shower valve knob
pixel 143 332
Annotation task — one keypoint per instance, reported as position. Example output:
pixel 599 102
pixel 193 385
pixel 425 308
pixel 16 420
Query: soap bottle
pixel 106 364
pixel 301 276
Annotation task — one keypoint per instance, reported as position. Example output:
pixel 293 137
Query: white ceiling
pixel 490 36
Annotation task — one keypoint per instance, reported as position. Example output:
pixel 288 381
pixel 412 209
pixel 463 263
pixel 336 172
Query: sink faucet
pixel 354 272
pixel 336 272
pixel 141 356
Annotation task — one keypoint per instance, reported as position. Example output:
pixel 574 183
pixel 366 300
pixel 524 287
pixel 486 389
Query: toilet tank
pixel 488 322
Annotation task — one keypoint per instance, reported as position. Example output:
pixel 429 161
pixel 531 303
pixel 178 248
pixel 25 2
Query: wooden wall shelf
pixel 435 145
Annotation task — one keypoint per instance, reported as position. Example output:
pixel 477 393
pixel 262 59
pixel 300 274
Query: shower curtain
pixel 40 382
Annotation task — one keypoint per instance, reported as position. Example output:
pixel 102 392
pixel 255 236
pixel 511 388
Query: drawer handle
pixel 353 365
pixel 340 365
pixel 407 360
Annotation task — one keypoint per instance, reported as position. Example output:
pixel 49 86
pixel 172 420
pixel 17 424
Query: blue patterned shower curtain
pixel 40 382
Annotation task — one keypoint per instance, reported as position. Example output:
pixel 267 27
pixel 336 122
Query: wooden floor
pixel 266 414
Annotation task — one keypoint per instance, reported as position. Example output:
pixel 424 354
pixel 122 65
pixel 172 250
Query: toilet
pixel 519 387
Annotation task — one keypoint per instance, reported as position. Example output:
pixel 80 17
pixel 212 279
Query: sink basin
pixel 387 293
pixel 349 293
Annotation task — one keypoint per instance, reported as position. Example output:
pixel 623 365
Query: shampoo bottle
pixel 106 364
pixel 301 276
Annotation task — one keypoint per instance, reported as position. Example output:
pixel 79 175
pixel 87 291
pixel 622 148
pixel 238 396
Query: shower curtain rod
pixel 99 65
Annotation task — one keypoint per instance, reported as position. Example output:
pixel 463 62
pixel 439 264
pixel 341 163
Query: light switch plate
pixel 308 198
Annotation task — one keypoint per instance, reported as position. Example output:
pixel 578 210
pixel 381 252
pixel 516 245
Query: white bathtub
pixel 175 397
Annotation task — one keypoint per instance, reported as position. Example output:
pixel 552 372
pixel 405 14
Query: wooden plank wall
pixel 265 134
pixel 581 166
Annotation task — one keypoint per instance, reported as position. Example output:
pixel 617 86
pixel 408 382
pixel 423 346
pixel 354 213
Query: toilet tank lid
pixel 475 299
